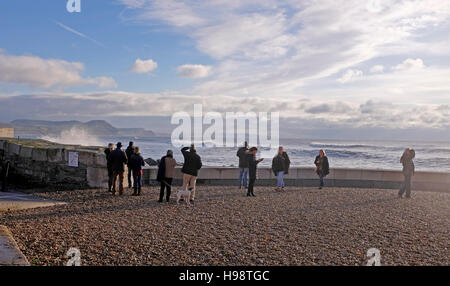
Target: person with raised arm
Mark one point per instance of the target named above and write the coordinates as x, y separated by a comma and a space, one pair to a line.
192, 164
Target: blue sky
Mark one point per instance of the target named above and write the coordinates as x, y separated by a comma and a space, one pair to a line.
324, 65
30, 27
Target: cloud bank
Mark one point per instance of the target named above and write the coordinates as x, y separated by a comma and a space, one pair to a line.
371, 113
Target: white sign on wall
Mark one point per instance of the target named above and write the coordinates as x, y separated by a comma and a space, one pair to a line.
73, 159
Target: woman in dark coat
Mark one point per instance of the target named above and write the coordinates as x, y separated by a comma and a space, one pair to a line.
408, 172
322, 166
280, 167
253, 165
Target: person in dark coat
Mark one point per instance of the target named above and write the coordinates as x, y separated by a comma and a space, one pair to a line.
109, 165
136, 162
252, 165
166, 170
118, 160
322, 166
129, 152
280, 167
243, 165
408, 172
192, 163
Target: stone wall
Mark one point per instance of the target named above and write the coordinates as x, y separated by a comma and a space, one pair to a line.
37, 163
306, 177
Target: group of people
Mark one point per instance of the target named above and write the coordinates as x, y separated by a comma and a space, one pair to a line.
166, 169
131, 157
280, 167
117, 159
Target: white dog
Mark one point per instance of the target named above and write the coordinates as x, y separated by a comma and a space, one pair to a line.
185, 194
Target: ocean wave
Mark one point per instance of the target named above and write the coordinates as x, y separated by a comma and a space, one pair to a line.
341, 145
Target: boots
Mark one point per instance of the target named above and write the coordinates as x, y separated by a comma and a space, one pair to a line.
139, 192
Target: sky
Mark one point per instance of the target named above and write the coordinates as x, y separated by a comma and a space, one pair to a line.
376, 69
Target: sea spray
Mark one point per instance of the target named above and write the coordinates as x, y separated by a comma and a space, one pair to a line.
75, 136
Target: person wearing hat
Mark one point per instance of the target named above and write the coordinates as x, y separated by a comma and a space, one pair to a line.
192, 163
118, 160
408, 172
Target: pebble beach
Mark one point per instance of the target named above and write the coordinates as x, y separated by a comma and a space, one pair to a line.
301, 226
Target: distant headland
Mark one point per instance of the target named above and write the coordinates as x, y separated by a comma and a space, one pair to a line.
41, 128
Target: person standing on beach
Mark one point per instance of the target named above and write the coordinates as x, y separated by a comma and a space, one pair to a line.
280, 167
322, 167
166, 170
118, 161
109, 165
243, 165
252, 166
129, 152
408, 172
136, 162
192, 163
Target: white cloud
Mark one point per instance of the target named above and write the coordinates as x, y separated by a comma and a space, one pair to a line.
37, 73
267, 48
251, 36
350, 75
377, 69
143, 66
194, 71
410, 65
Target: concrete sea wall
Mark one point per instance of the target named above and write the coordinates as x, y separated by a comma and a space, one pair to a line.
306, 177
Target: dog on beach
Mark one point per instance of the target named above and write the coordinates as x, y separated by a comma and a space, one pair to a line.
185, 194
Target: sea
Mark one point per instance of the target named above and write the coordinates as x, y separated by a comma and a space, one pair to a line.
430, 156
